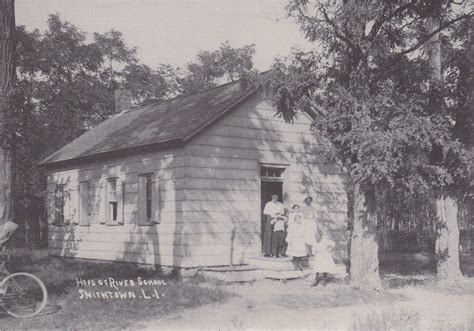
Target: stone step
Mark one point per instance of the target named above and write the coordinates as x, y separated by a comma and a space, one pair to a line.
282, 263
231, 274
264, 267
286, 274
250, 275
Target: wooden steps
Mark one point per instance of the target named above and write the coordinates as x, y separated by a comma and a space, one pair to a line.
264, 267
231, 274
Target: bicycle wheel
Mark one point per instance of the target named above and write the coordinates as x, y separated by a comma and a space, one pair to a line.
25, 295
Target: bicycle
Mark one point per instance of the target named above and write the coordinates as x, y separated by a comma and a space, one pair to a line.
22, 294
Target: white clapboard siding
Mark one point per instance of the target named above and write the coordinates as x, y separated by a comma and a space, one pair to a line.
187, 238
223, 177
211, 249
221, 195
221, 163
116, 167
205, 192
221, 184
240, 257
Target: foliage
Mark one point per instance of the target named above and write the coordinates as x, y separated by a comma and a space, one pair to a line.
66, 309
211, 68
367, 86
66, 84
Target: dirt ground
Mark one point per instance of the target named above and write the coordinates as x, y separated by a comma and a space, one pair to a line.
277, 305
411, 300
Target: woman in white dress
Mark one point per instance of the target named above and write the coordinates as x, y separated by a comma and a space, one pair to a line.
309, 223
295, 237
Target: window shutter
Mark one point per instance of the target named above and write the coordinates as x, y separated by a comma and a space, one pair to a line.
120, 184
84, 204
155, 196
67, 204
103, 203
51, 206
141, 203
74, 205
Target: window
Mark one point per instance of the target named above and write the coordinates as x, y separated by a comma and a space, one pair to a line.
111, 210
148, 199
271, 173
112, 206
59, 204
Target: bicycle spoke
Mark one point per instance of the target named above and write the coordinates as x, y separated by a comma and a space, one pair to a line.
25, 295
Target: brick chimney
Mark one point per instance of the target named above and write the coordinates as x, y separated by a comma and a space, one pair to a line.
122, 100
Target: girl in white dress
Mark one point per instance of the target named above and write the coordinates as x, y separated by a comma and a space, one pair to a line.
323, 260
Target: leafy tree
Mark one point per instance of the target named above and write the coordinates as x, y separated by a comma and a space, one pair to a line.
150, 85
367, 88
7, 83
66, 86
211, 68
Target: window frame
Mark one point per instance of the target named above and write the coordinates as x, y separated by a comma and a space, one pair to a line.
60, 188
148, 199
112, 206
278, 172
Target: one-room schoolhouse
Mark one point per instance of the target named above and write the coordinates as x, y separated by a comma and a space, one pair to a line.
183, 182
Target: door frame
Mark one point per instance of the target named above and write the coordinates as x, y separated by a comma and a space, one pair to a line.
281, 179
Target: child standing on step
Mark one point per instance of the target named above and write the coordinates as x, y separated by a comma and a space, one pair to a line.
295, 237
279, 234
323, 260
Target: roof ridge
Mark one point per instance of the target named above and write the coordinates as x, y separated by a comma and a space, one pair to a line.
147, 124
161, 102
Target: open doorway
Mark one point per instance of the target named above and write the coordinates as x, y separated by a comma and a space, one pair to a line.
271, 183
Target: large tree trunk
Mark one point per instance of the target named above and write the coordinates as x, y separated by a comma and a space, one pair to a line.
364, 247
7, 77
447, 236
447, 240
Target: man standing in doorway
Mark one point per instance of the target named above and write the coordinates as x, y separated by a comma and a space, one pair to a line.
272, 208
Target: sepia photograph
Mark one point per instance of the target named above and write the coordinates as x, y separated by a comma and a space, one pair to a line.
237, 165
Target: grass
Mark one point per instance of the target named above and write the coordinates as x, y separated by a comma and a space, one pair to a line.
388, 320
404, 320
337, 295
419, 269
419, 263
66, 309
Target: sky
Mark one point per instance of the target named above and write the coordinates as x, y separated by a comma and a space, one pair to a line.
174, 31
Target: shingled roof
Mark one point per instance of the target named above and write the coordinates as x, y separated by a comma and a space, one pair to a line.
161, 124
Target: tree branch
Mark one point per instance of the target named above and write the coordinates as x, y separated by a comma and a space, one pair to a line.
340, 36
410, 22
382, 18
438, 30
